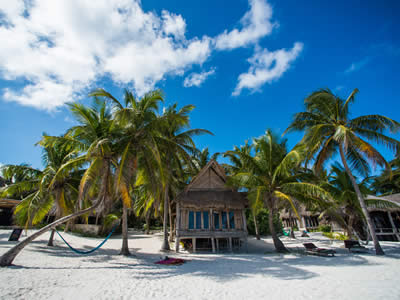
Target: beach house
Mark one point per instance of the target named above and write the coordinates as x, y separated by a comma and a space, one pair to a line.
209, 214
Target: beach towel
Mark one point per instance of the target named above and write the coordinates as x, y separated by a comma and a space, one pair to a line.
170, 261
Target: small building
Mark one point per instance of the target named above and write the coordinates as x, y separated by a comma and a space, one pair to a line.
386, 219
209, 214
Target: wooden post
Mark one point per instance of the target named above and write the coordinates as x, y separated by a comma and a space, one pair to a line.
177, 227
230, 244
216, 240
202, 220
220, 220
213, 244
244, 221
393, 226
246, 245
194, 244
211, 219
194, 220
227, 220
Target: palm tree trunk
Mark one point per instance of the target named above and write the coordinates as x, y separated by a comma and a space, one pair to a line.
171, 229
7, 258
378, 248
256, 226
50, 242
165, 244
350, 227
148, 222
279, 246
125, 247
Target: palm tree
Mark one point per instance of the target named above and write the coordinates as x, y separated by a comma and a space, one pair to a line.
43, 191
94, 138
328, 128
238, 164
175, 145
137, 122
388, 182
271, 177
346, 209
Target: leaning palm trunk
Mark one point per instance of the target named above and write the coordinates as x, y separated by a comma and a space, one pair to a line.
165, 244
125, 247
256, 226
279, 246
378, 248
7, 258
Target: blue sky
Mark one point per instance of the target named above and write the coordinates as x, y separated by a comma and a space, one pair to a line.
246, 66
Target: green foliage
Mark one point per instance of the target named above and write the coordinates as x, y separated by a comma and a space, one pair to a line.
325, 228
336, 236
262, 220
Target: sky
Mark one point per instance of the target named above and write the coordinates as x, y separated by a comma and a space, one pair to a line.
246, 66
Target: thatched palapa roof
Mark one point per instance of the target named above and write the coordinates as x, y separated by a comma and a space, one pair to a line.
209, 190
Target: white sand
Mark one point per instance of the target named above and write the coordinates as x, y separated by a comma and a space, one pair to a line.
41, 272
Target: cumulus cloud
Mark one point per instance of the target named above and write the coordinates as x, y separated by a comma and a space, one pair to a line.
256, 23
60, 48
265, 67
196, 79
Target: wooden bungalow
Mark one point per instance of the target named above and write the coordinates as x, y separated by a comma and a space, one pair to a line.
210, 215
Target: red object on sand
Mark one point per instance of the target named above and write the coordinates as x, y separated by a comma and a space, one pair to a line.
170, 261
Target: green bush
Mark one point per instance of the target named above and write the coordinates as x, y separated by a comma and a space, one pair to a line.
325, 228
262, 220
336, 236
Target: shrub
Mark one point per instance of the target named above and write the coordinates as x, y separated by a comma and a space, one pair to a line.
325, 228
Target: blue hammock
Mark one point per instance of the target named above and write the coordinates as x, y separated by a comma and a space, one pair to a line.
90, 251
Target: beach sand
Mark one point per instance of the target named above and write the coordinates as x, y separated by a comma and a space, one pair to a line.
42, 272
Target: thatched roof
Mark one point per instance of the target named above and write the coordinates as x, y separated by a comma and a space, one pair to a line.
8, 203
213, 199
209, 190
393, 199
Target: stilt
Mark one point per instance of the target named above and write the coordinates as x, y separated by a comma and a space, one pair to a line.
213, 245
396, 233
177, 241
216, 240
194, 244
230, 244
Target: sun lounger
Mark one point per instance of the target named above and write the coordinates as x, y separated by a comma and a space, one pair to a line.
314, 250
354, 246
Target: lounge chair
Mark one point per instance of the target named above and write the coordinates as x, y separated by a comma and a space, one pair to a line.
314, 250
354, 246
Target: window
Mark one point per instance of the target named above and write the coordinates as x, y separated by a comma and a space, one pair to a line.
216, 220
198, 219
232, 220
191, 220
224, 220
205, 220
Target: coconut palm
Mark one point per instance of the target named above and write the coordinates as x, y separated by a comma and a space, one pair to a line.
137, 122
271, 177
329, 128
175, 145
237, 164
43, 191
94, 138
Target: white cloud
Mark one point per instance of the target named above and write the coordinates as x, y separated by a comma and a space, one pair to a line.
256, 23
62, 47
196, 79
357, 65
266, 66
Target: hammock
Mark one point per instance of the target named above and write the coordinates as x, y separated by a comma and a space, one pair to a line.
89, 251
